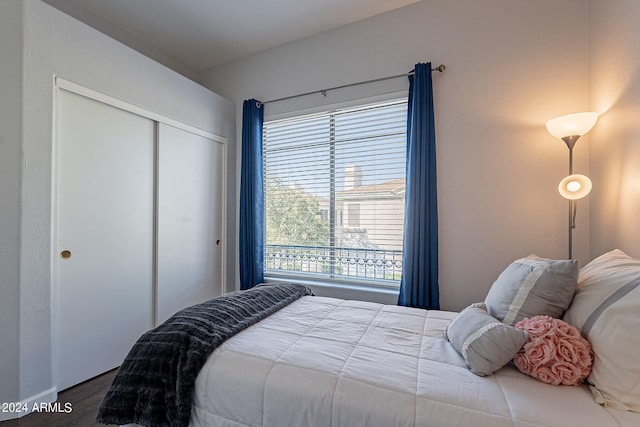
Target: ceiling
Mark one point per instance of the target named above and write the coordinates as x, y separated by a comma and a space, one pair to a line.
199, 34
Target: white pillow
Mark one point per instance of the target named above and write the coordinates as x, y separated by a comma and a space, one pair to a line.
532, 286
485, 343
606, 309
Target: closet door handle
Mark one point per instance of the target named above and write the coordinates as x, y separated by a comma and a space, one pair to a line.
65, 254
218, 242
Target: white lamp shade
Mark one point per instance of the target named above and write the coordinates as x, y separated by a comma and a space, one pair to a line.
572, 124
574, 187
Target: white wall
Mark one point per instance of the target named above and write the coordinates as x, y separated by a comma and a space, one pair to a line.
615, 140
511, 65
44, 43
10, 159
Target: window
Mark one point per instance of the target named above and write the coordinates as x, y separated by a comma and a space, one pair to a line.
334, 194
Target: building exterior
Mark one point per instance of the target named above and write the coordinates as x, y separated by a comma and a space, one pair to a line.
373, 214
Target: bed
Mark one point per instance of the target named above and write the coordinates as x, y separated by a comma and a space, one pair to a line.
320, 361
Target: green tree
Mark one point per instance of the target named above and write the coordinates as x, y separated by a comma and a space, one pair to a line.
293, 216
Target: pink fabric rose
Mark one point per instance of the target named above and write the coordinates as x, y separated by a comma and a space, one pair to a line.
538, 325
544, 374
565, 330
555, 352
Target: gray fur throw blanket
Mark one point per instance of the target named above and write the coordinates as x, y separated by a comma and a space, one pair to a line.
155, 383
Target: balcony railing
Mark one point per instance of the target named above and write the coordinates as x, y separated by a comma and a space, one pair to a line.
354, 264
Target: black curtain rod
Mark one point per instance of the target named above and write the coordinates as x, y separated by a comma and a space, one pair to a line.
440, 68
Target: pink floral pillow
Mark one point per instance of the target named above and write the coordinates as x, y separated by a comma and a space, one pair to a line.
555, 352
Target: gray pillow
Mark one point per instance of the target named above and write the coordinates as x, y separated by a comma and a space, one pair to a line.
485, 343
532, 286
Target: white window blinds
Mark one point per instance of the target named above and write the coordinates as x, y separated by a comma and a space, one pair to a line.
334, 194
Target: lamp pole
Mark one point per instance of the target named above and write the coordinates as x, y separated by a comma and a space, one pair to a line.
571, 142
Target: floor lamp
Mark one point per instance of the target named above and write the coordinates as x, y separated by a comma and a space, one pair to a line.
570, 128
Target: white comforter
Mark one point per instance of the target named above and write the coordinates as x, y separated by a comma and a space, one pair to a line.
329, 362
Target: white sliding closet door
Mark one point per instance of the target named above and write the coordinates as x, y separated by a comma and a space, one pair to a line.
190, 219
104, 235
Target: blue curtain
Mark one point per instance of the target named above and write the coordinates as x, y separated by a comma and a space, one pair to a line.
251, 196
419, 284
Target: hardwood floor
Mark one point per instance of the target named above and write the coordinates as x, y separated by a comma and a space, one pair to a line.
81, 402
